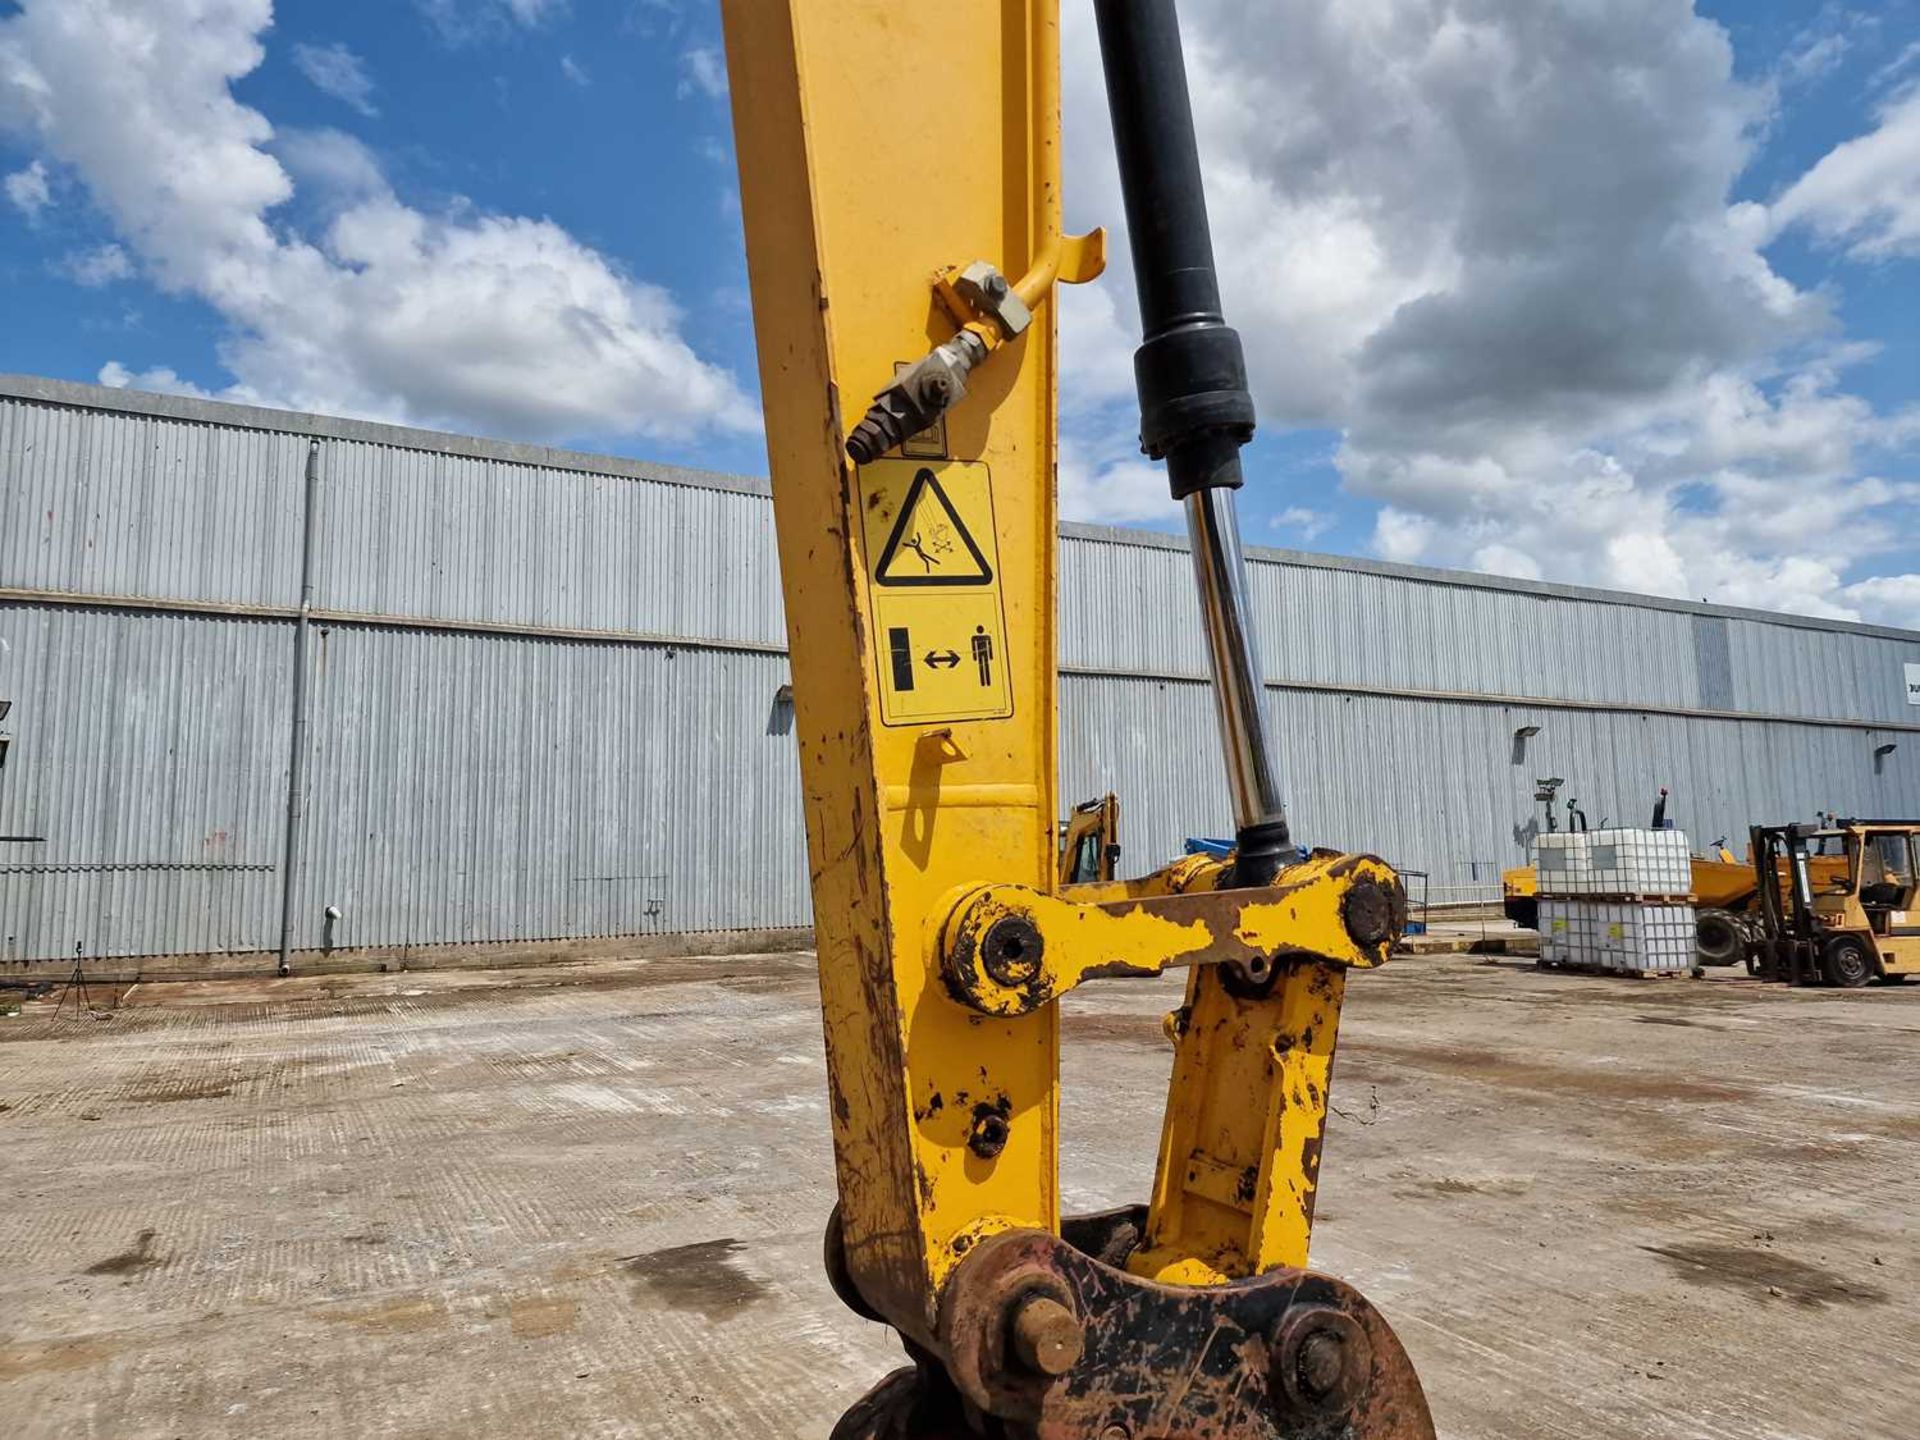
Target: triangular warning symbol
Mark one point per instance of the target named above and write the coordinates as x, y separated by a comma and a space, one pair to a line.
930, 544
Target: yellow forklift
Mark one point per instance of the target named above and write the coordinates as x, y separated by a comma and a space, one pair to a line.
1853, 920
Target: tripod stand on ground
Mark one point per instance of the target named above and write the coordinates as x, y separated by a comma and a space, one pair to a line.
77, 987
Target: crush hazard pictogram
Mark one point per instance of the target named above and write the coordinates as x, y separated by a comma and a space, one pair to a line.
930, 544
939, 628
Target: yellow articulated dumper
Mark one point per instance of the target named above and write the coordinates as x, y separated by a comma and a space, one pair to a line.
900, 183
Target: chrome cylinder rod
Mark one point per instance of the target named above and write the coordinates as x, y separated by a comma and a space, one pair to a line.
1226, 608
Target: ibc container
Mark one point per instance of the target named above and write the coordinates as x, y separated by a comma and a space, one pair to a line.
1614, 862
1619, 935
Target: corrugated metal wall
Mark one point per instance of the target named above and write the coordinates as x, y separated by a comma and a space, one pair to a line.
150, 750
543, 693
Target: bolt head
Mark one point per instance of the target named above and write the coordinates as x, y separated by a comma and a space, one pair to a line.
1372, 913
1047, 1338
1322, 1360
1011, 951
989, 1135
996, 285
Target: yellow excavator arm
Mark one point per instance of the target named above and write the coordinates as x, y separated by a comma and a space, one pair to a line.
900, 185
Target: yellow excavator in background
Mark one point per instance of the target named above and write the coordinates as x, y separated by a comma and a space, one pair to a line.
900, 187
1090, 841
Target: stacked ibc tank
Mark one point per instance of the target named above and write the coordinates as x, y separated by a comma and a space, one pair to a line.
1616, 900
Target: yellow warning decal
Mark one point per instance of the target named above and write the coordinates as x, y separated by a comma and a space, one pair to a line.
939, 629
930, 545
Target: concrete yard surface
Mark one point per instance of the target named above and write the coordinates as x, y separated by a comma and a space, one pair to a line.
587, 1201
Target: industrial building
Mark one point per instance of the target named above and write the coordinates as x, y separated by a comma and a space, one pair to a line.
543, 696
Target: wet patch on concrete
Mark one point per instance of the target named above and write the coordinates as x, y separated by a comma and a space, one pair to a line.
209, 1087
401, 1315
1490, 1067
1463, 1185
131, 1261
1764, 1274
43, 1357
704, 1277
534, 1317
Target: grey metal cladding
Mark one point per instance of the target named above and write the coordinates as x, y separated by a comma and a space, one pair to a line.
149, 750
544, 692
1713, 662
450, 537
478, 787
135, 505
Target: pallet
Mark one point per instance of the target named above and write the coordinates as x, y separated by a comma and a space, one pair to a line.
1618, 897
1572, 968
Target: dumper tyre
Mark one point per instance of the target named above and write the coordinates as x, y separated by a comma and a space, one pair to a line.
1718, 939
1847, 964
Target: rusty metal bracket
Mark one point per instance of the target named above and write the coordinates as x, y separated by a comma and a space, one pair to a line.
1009, 949
1289, 1355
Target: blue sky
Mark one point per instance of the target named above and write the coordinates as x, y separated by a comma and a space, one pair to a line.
380, 207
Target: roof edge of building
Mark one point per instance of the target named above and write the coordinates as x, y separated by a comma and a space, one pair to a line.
80, 395
1474, 579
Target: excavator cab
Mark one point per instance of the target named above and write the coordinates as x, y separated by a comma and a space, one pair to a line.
1090, 842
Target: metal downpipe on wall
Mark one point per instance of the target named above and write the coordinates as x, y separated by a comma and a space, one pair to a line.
297, 745
1195, 408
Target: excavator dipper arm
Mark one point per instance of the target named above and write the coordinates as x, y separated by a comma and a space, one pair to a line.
900, 186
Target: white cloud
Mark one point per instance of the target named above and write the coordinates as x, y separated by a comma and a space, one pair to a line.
1888, 599
461, 22
29, 191
1490, 242
1308, 524
160, 381
575, 71
1114, 493
331, 164
1897, 66
1865, 193
703, 71
337, 71
1824, 45
496, 323
99, 266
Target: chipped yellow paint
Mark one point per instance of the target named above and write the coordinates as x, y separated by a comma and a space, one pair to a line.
862, 188
860, 182
1143, 928
1246, 1114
